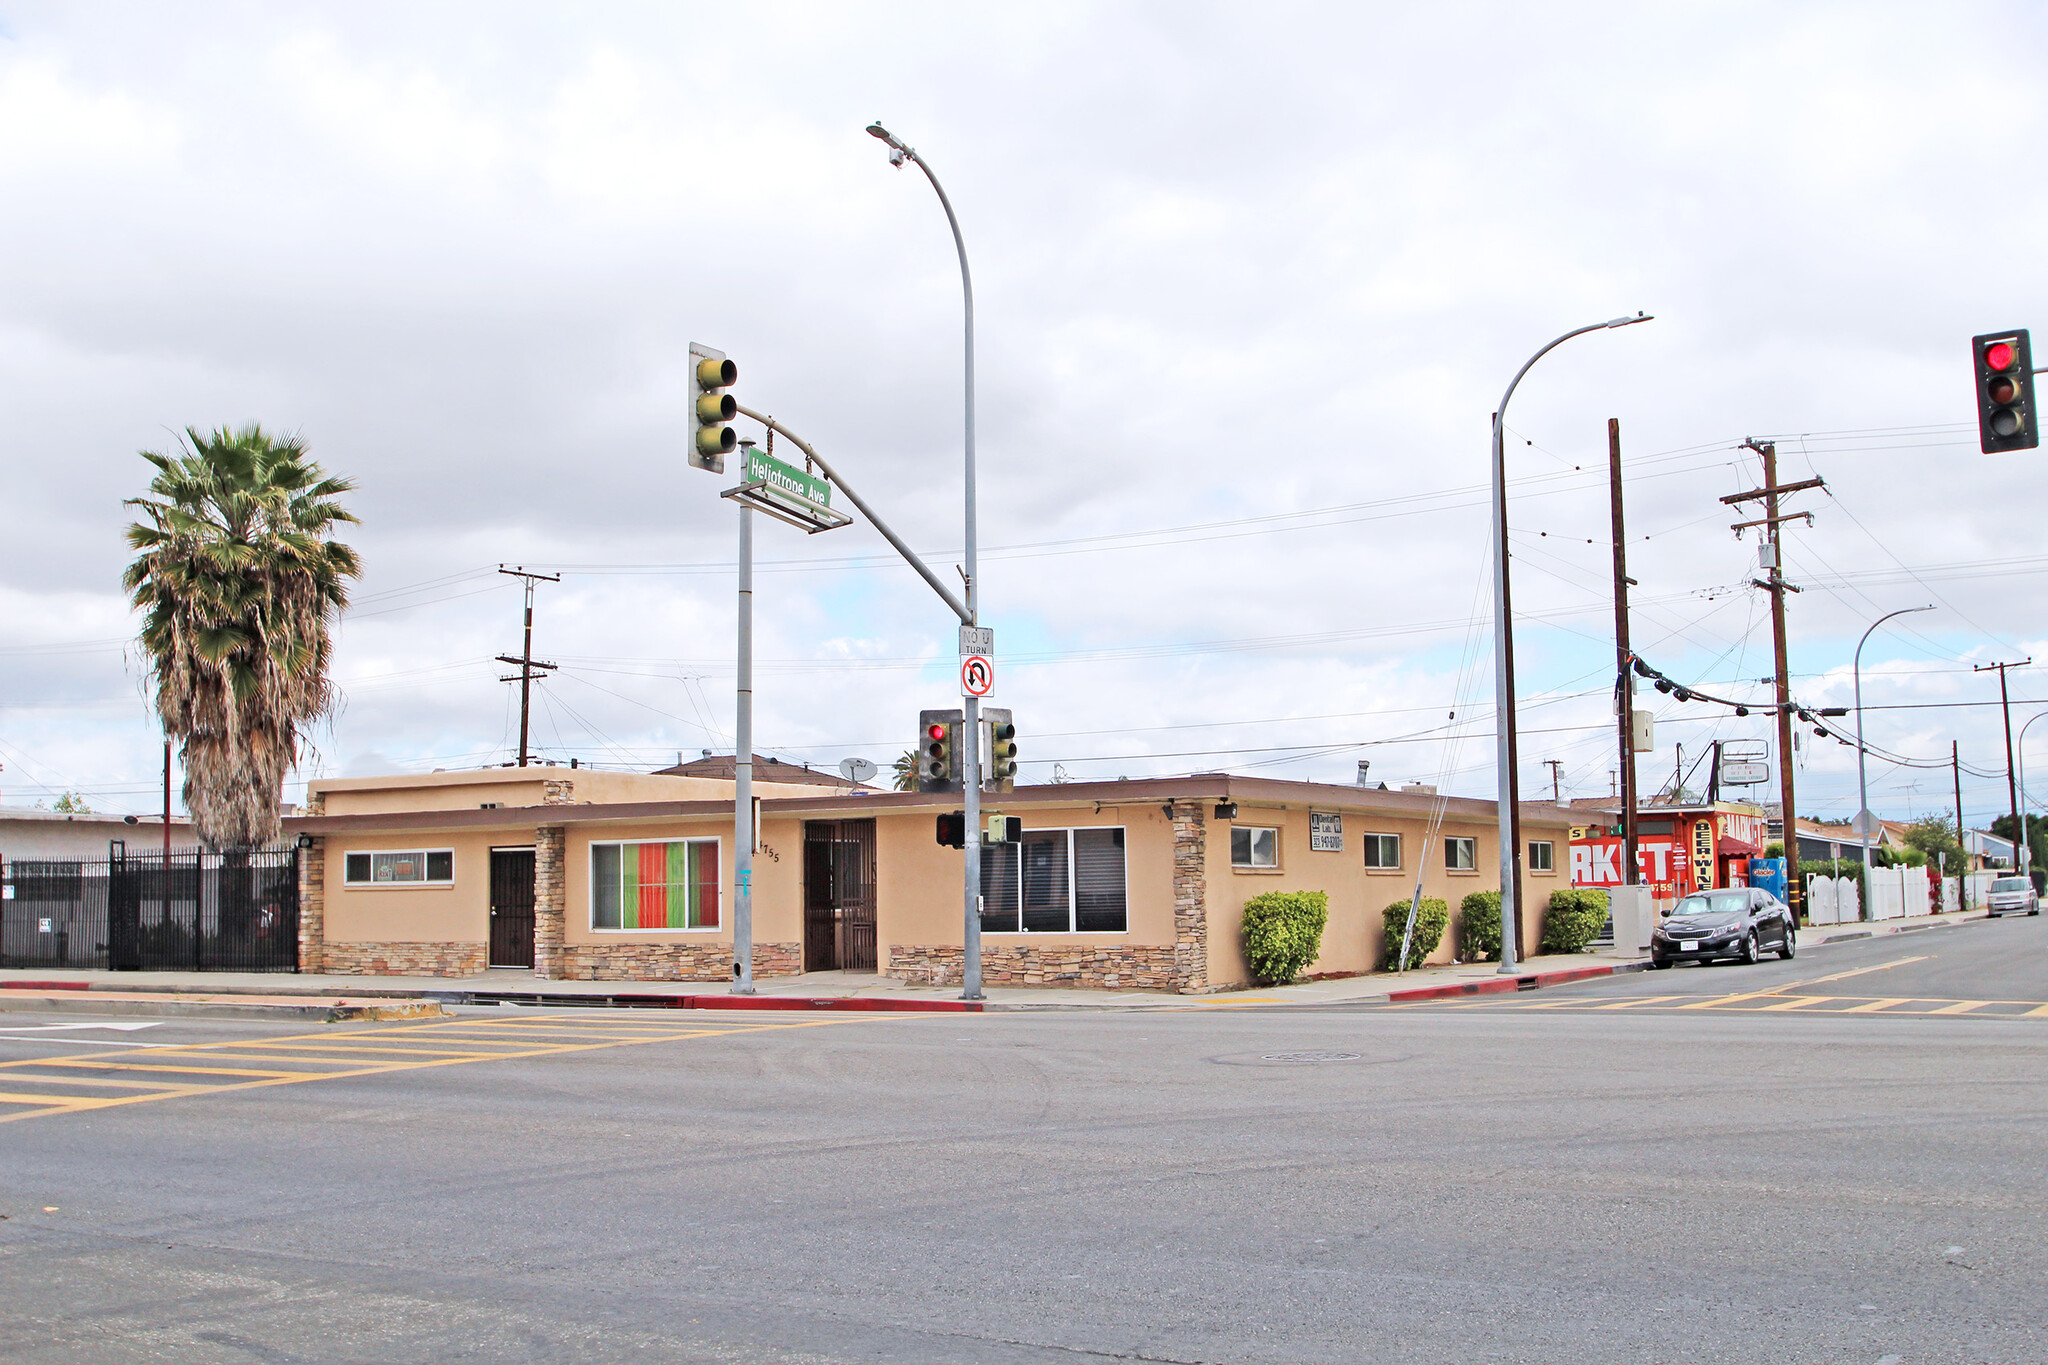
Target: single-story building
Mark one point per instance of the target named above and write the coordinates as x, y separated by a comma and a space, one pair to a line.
30, 833
586, 875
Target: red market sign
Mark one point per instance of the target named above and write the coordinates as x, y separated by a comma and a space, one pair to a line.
1662, 861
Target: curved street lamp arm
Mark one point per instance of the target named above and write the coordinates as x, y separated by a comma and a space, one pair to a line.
910, 555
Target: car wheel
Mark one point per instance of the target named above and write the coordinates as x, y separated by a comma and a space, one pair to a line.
1660, 964
1749, 948
1789, 949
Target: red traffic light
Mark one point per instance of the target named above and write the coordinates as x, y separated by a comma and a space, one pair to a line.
935, 732
1999, 355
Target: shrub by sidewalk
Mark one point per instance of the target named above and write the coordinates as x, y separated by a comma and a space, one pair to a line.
1573, 920
1283, 932
1479, 927
1431, 919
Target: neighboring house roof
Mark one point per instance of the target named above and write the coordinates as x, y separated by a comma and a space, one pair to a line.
765, 770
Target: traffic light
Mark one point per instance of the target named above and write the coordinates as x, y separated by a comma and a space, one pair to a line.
953, 829
2005, 392
1003, 829
712, 409
938, 754
1002, 750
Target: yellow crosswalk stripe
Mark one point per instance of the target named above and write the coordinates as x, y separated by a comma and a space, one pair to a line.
336, 1056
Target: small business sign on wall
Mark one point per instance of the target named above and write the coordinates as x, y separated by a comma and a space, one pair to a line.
1325, 832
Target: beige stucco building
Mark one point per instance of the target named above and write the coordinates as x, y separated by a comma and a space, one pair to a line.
585, 875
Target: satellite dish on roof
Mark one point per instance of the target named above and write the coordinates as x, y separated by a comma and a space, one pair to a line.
856, 770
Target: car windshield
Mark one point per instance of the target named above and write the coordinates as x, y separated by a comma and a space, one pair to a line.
1715, 903
2010, 884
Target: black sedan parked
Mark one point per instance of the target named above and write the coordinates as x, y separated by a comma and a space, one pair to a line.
1740, 922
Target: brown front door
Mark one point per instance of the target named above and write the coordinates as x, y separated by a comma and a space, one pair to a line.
839, 895
511, 907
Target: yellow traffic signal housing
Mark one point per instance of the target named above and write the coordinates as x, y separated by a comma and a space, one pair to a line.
712, 409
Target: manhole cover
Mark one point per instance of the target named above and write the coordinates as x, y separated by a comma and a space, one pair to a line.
1310, 1057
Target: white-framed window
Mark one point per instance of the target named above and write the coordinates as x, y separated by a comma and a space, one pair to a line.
1057, 881
654, 884
1461, 855
411, 867
1254, 846
1540, 856
1383, 851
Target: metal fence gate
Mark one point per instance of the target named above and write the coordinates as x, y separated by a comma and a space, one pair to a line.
220, 912
839, 895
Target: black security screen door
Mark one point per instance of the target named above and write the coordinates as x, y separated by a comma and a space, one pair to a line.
511, 907
839, 895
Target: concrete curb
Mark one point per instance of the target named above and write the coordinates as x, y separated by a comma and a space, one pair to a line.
327, 1011
1502, 985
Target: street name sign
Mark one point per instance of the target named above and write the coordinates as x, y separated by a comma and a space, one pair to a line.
804, 491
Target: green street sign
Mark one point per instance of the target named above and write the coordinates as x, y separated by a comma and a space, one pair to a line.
786, 483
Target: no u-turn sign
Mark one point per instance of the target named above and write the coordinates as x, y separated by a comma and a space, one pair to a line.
977, 675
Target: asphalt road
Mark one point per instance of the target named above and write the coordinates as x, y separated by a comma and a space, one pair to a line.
1485, 1182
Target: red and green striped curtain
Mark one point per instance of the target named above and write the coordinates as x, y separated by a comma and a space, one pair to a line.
672, 884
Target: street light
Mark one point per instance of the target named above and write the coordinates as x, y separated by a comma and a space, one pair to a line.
970, 748
2020, 748
1509, 788
1862, 788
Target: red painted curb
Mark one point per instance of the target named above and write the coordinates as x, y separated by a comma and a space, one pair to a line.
1499, 985
789, 1002
45, 985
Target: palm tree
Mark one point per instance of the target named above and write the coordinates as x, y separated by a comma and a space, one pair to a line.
238, 585
905, 771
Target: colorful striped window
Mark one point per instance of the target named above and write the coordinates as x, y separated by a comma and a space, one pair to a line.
668, 885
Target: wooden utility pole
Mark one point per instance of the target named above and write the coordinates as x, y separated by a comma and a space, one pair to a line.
1554, 764
1955, 768
527, 663
1624, 673
1775, 584
2012, 788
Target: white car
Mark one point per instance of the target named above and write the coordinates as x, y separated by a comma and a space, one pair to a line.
2010, 895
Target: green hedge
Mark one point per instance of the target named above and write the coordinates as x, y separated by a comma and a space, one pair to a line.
1431, 919
1479, 927
1283, 932
1573, 919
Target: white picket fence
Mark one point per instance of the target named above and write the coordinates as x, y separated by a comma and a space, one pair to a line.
1895, 893
1832, 900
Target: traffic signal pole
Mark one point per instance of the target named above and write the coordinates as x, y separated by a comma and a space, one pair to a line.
743, 772
971, 753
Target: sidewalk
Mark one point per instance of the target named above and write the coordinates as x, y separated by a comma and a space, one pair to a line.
339, 997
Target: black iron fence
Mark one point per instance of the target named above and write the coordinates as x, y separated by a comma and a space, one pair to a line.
223, 912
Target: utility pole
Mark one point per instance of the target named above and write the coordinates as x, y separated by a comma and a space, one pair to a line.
2012, 789
527, 663
1624, 674
1554, 764
1775, 584
1955, 768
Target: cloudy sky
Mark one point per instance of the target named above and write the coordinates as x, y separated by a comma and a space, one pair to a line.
1250, 280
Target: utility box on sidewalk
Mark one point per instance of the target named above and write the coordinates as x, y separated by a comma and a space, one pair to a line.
1634, 915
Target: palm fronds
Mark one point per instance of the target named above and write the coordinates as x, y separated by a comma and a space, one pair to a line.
238, 584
